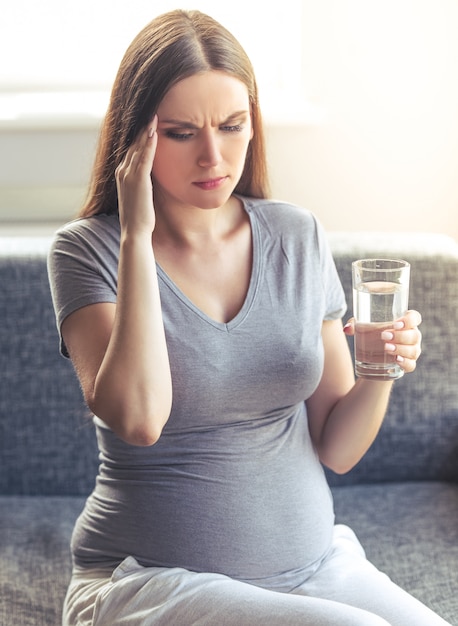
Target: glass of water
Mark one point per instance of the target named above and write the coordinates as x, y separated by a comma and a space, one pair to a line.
380, 297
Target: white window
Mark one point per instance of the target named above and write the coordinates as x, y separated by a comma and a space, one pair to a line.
60, 56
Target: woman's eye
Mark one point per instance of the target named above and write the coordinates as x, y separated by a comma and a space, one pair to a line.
178, 136
232, 129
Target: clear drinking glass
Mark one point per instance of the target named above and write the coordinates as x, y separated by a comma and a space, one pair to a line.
380, 296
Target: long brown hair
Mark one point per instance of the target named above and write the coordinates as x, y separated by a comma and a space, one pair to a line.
173, 46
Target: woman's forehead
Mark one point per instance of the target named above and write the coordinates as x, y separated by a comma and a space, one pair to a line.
205, 94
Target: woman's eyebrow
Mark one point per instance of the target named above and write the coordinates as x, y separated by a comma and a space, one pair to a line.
179, 123
183, 124
236, 115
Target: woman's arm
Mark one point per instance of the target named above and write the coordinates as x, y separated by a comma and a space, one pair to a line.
344, 416
119, 351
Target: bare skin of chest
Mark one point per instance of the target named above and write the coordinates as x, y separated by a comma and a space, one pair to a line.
215, 276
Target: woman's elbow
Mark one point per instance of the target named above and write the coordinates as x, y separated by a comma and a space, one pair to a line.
337, 465
142, 436
340, 468
138, 427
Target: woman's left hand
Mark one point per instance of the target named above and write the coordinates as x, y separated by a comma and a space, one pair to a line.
402, 341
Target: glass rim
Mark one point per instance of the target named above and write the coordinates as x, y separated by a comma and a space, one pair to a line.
365, 264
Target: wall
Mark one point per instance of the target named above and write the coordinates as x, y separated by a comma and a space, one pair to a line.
385, 153
375, 149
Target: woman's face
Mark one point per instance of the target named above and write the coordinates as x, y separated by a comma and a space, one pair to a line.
204, 129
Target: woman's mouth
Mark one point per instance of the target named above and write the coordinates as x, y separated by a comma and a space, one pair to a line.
211, 183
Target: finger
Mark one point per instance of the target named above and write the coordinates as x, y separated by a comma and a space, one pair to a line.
349, 328
405, 356
141, 152
404, 345
411, 319
151, 141
411, 336
406, 351
143, 155
408, 365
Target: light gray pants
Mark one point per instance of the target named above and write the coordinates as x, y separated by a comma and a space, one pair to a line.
346, 590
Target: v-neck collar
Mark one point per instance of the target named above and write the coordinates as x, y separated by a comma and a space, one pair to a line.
252, 287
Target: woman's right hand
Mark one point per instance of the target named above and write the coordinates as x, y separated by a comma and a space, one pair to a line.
133, 181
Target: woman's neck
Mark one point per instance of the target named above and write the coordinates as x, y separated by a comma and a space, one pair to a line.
194, 227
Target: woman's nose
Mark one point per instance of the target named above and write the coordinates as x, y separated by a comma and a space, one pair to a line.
210, 154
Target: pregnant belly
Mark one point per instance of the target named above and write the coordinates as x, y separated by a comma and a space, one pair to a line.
248, 520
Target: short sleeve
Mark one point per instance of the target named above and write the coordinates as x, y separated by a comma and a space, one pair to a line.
82, 267
335, 302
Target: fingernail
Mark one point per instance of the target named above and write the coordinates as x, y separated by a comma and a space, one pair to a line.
398, 325
387, 335
399, 358
390, 347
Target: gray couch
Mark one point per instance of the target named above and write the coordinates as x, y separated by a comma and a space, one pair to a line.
402, 499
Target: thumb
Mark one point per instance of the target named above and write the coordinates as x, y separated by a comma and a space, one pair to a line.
349, 328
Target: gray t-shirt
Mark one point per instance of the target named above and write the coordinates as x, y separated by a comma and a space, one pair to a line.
233, 485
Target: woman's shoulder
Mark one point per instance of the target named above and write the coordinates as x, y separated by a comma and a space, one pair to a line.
89, 228
98, 236
90, 241
281, 215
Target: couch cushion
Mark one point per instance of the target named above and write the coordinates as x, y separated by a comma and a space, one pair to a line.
47, 441
410, 531
35, 563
